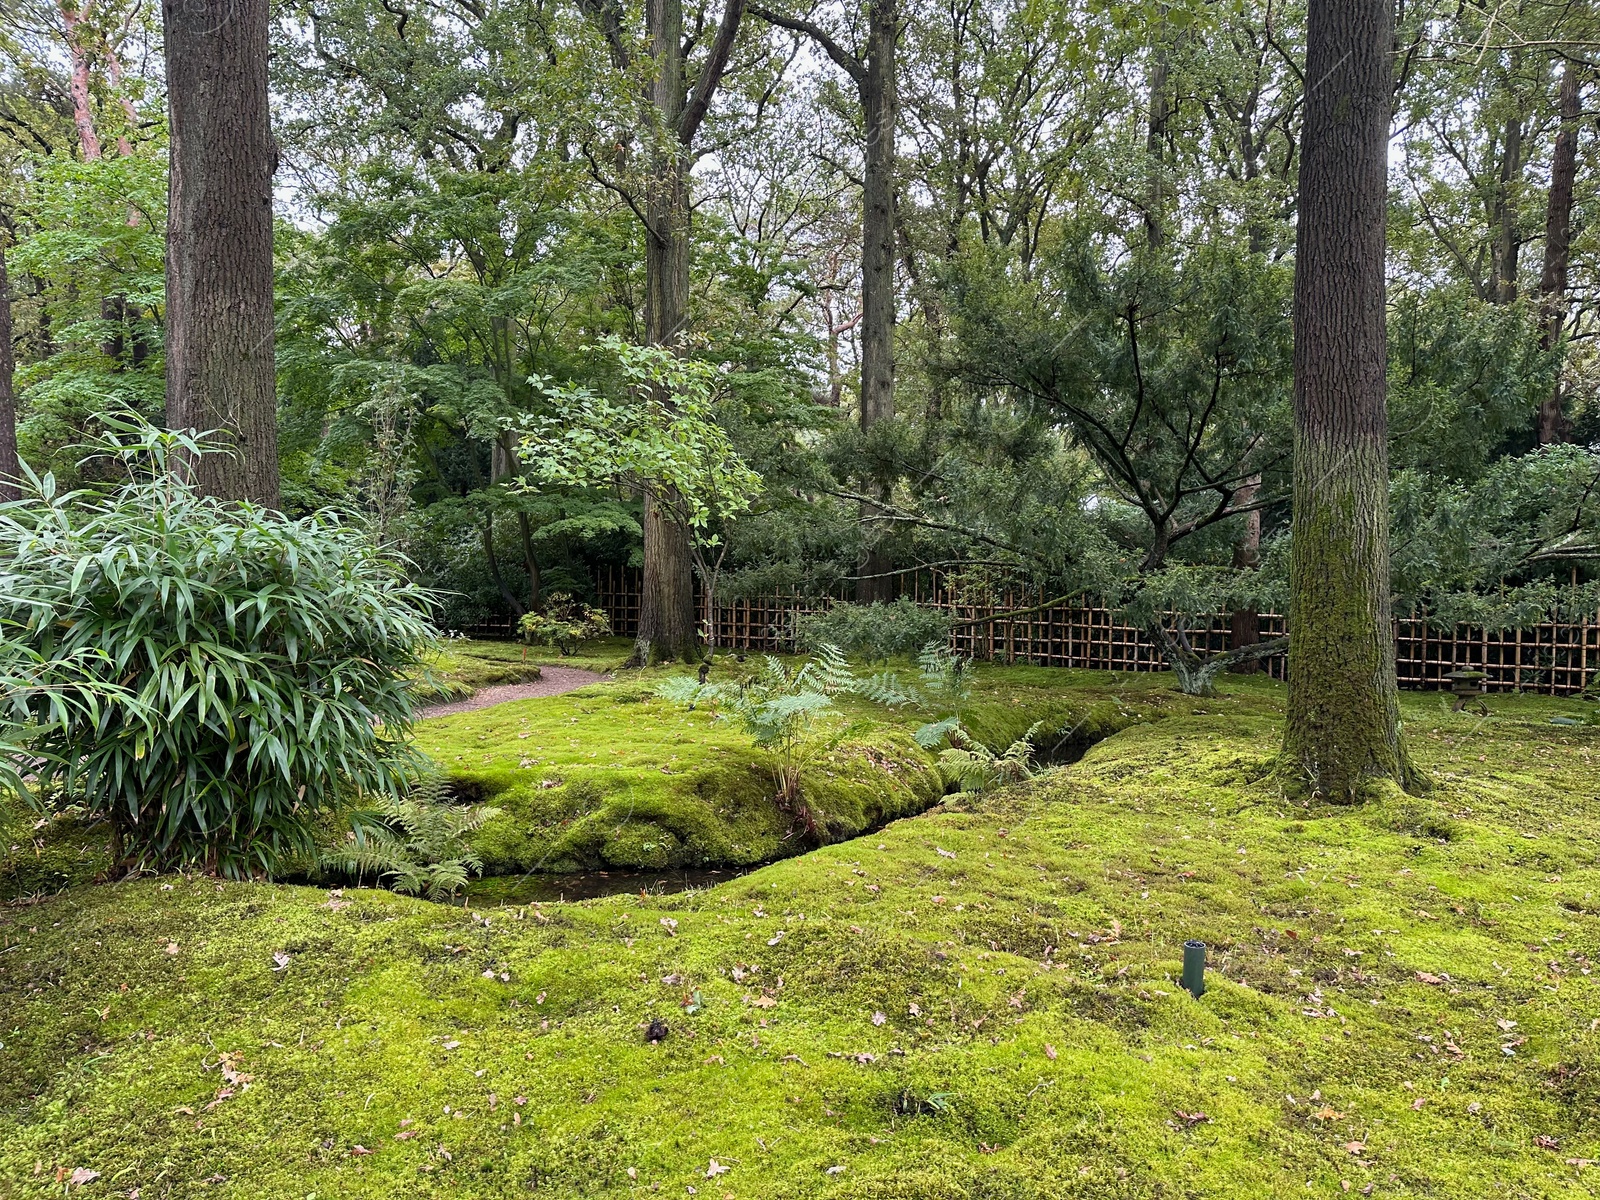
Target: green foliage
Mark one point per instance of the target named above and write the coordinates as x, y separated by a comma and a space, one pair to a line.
972, 767
1465, 380
788, 711
414, 842
94, 246
565, 623
876, 632
208, 677
1500, 550
661, 433
1170, 370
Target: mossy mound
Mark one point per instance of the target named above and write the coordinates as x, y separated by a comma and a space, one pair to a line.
611, 776
976, 1002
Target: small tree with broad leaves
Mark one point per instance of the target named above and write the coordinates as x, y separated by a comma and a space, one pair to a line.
659, 432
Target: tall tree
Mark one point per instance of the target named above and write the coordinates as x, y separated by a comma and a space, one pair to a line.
1553, 424
219, 242
673, 110
1343, 726
871, 69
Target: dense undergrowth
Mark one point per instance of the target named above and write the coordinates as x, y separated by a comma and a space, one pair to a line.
975, 1002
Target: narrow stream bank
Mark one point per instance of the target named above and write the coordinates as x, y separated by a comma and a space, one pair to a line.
589, 885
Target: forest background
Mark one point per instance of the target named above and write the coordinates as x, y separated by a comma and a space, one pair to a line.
999, 288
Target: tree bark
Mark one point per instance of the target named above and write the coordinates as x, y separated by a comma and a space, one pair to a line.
220, 371
495, 573
78, 79
878, 108
878, 111
666, 603
1244, 624
10, 465
1507, 234
1155, 143
1343, 726
1553, 423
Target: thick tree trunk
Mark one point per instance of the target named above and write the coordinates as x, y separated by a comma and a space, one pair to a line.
878, 111
1343, 726
1244, 624
1553, 423
219, 242
666, 603
10, 465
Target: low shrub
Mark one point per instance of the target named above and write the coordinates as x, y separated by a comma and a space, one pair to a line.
565, 623
208, 677
876, 632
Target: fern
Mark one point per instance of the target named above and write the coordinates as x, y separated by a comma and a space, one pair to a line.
973, 767
414, 843
945, 675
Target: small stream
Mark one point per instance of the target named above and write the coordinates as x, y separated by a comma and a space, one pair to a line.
587, 885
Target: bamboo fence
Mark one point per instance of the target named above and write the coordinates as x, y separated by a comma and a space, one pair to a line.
1552, 657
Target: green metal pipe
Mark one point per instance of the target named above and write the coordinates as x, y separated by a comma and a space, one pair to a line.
1194, 968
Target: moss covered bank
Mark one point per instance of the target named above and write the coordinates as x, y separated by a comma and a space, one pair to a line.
975, 1002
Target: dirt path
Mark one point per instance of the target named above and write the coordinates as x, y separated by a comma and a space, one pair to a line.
554, 681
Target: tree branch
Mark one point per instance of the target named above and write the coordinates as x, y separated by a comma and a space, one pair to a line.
849, 63
711, 72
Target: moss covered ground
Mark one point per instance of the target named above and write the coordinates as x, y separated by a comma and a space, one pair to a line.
978, 1001
611, 776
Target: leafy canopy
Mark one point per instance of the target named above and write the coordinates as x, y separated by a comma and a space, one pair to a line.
659, 433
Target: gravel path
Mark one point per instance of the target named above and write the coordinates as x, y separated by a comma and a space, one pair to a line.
553, 681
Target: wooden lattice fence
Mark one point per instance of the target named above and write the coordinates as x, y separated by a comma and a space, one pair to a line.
1553, 657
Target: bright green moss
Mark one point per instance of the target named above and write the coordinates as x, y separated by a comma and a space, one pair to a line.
1050, 1053
612, 776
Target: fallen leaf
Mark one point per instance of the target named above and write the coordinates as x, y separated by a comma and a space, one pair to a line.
715, 1169
670, 925
1545, 1142
359, 1149
1328, 1113
1050, 1052
878, 1018
1191, 1119
279, 957
82, 1176
1355, 1147
835, 1170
